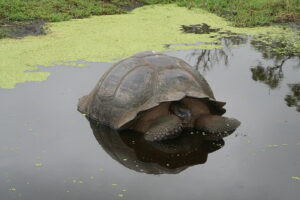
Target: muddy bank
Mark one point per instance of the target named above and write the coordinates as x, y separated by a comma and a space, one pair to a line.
17, 31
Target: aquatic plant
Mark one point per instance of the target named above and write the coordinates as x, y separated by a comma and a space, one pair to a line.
99, 39
278, 46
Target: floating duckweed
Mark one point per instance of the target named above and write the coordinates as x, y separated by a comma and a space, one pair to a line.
114, 184
74, 181
99, 39
91, 177
284, 144
80, 181
124, 159
296, 178
101, 169
120, 195
12, 189
124, 190
38, 164
272, 145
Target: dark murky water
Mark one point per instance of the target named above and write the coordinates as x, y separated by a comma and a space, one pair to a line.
48, 149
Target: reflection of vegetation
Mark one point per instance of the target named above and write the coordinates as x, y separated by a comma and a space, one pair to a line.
206, 59
280, 48
229, 38
271, 76
293, 98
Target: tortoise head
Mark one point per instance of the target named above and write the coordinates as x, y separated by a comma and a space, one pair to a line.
212, 125
180, 110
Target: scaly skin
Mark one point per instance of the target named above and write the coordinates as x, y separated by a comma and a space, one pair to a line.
214, 126
164, 128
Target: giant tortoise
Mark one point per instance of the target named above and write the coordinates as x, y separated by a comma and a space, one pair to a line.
157, 95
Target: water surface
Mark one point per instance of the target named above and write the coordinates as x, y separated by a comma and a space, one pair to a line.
48, 149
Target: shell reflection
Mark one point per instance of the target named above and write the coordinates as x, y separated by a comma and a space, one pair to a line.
131, 150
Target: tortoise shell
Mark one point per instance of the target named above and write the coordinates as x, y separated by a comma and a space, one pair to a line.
142, 82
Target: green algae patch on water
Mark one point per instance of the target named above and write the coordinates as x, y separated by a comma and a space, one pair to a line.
104, 38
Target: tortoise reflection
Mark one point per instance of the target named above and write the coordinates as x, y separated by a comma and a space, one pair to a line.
131, 150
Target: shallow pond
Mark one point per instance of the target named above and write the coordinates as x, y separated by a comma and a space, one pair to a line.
48, 149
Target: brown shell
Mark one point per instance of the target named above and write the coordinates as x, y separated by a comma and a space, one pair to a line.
142, 82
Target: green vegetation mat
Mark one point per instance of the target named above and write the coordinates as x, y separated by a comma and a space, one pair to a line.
107, 37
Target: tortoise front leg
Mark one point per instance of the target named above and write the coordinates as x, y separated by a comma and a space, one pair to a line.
164, 128
216, 125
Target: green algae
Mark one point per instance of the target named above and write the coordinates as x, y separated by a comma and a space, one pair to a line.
278, 45
296, 178
38, 164
104, 38
12, 189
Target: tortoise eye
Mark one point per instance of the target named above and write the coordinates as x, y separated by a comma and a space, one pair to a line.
183, 113
180, 110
